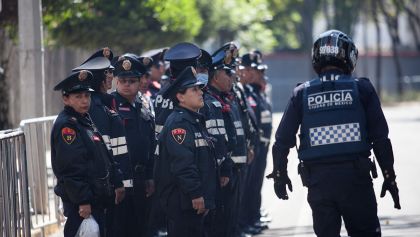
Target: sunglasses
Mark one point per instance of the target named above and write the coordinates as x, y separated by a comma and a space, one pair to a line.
129, 80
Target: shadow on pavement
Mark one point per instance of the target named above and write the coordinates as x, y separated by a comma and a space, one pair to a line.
396, 226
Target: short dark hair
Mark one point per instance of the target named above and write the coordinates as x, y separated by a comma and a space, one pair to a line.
175, 99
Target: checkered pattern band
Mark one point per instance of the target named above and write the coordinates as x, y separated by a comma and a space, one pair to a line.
340, 133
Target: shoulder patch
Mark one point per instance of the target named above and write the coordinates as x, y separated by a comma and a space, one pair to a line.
179, 135
68, 135
217, 104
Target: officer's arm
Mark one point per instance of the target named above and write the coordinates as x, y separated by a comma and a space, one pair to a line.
377, 126
118, 146
71, 162
151, 159
219, 133
286, 133
181, 145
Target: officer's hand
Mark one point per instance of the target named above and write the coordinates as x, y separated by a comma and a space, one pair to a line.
119, 195
85, 210
250, 156
391, 186
224, 181
150, 187
198, 204
281, 179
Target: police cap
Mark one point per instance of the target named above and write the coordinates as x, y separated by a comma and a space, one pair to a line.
181, 56
104, 52
76, 82
186, 79
225, 57
253, 60
156, 55
127, 66
205, 60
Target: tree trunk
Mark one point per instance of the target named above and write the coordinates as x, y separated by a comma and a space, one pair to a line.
4, 92
378, 68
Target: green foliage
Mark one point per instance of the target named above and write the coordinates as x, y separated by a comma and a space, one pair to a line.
126, 25
241, 20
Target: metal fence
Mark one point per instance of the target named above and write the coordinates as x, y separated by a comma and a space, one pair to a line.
44, 204
14, 196
27, 200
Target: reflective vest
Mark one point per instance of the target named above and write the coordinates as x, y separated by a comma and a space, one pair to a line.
334, 121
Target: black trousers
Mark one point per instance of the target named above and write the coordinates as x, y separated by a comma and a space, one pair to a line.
130, 216
223, 221
343, 190
251, 203
183, 222
71, 211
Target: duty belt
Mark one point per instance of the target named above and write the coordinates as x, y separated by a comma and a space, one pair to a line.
265, 140
128, 183
238, 159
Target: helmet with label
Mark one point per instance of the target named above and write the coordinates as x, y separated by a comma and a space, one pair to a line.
334, 48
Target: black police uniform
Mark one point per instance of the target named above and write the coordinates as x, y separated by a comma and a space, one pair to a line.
224, 104
239, 157
264, 118
340, 120
334, 176
85, 170
103, 114
131, 213
180, 56
186, 167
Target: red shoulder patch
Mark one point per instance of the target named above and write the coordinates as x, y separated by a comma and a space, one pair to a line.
68, 134
179, 134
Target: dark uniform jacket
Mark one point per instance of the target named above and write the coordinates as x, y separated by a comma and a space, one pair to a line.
239, 153
376, 125
163, 108
249, 121
111, 128
84, 168
139, 128
186, 167
264, 113
219, 125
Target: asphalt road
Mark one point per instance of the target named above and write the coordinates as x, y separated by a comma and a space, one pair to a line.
293, 217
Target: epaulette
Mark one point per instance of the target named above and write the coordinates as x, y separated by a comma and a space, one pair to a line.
72, 120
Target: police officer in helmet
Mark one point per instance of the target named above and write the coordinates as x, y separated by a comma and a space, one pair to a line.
341, 120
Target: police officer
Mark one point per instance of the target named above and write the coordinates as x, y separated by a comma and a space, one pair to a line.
341, 120
227, 56
203, 66
185, 171
130, 215
106, 119
264, 117
144, 89
157, 70
179, 56
84, 167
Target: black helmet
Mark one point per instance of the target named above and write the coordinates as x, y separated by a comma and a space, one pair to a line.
334, 48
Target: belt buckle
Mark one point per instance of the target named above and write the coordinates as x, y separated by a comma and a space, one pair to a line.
128, 183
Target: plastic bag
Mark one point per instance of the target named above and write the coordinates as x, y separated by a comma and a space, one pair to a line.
88, 228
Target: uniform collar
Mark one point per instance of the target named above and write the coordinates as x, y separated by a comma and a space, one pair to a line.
81, 118
331, 72
191, 116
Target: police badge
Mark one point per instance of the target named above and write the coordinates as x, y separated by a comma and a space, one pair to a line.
126, 65
83, 75
106, 52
